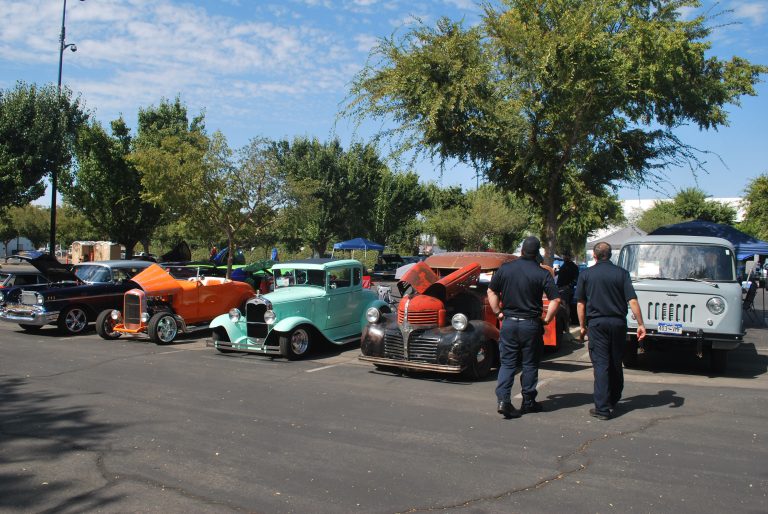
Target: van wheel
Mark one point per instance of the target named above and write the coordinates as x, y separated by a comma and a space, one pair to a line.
162, 328
718, 361
481, 361
105, 325
630, 353
296, 344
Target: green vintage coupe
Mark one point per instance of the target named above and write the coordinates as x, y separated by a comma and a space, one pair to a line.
314, 300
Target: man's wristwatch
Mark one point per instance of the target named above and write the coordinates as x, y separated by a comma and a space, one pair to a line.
499, 314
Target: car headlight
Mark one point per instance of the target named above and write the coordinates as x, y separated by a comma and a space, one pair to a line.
144, 317
115, 315
269, 317
459, 322
716, 305
2, 297
372, 315
39, 298
234, 315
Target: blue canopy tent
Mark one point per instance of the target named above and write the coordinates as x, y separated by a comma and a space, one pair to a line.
359, 243
746, 246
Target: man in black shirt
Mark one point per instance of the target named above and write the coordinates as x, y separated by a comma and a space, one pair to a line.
566, 281
515, 295
602, 294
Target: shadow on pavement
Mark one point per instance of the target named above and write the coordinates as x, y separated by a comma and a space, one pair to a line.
36, 437
663, 398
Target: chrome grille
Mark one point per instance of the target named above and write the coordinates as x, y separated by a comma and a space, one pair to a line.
422, 348
28, 298
673, 312
393, 345
132, 314
254, 315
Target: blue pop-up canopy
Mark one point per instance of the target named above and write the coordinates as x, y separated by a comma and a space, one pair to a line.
359, 243
746, 246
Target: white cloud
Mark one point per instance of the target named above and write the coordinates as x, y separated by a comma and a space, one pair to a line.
754, 12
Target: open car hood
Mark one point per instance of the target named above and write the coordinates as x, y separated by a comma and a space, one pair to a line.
50, 267
157, 281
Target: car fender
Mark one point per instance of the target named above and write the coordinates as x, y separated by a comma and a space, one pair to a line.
288, 324
233, 329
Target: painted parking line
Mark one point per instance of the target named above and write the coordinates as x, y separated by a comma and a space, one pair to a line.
331, 366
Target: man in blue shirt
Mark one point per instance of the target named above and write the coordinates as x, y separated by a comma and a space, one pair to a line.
602, 294
515, 295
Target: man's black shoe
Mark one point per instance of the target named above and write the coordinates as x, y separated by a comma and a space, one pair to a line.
593, 412
507, 410
527, 408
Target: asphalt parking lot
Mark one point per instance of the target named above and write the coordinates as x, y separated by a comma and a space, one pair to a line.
127, 426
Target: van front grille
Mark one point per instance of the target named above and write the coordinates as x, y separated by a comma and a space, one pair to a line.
670, 312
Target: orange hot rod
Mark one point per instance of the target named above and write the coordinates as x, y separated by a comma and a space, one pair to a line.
443, 322
162, 306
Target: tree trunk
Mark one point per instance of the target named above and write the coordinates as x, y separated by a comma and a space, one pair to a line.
230, 252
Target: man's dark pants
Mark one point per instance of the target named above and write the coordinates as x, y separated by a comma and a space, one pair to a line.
519, 339
607, 337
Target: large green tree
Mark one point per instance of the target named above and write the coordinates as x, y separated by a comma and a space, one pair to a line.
688, 204
342, 186
400, 197
38, 126
546, 93
488, 219
106, 187
756, 206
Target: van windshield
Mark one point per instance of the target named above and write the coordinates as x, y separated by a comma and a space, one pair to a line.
679, 262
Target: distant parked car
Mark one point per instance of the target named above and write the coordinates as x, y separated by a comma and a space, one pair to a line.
387, 266
163, 306
11, 278
314, 301
72, 297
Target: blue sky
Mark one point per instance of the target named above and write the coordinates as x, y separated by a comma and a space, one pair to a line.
281, 69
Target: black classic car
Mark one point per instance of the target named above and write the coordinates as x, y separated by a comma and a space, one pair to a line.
72, 297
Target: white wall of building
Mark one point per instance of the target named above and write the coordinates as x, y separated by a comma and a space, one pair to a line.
16, 245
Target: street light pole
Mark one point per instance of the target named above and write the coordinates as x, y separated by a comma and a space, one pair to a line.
54, 172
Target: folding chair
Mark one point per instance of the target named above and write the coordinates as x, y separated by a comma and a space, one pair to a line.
748, 306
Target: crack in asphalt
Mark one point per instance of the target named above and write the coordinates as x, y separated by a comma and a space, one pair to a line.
578, 452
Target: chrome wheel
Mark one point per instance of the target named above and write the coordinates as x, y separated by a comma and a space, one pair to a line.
73, 320
162, 328
299, 341
167, 329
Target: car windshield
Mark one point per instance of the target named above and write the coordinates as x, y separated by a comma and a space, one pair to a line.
91, 273
679, 262
299, 277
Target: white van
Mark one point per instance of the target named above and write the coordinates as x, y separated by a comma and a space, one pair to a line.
688, 293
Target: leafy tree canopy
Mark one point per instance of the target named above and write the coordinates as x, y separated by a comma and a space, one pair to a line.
756, 205
106, 187
38, 126
688, 204
549, 96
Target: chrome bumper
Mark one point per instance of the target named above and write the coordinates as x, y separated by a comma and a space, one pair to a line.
421, 366
28, 315
260, 349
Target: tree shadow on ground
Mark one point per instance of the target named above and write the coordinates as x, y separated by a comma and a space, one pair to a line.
35, 433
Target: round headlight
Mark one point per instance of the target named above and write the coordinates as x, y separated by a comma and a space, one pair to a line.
115, 315
2, 297
459, 322
144, 317
269, 317
39, 299
234, 315
372, 315
716, 305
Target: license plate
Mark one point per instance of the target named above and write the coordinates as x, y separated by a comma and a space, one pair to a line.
670, 328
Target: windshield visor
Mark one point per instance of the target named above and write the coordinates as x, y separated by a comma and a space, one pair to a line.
679, 262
